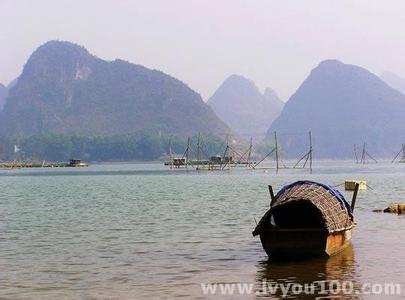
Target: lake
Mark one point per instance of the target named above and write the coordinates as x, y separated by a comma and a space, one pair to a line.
141, 231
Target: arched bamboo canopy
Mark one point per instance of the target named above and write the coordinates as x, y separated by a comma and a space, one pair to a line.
307, 204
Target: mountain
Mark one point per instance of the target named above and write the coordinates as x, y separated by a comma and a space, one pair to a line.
273, 98
394, 81
12, 83
342, 105
3, 95
63, 89
240, 104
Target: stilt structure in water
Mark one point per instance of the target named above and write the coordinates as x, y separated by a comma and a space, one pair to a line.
400, 155
187, 152
273, 150
365, 156
225, 160
356, 158
198, 150
307, 156
171, 154
230, 157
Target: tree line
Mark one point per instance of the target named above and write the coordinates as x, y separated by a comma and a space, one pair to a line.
143, 145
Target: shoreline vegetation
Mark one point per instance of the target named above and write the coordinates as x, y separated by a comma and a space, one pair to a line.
147, 146
140, 146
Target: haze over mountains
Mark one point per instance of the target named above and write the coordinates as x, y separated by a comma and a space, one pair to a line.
3, 94
64, 89
240, 104
343, 105
394, 81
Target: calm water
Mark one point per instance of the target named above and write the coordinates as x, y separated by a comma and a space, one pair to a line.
144, 232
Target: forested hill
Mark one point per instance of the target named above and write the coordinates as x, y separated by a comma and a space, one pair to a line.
63, 89
343, 105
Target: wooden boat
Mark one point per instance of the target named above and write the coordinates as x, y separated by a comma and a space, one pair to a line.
306, 218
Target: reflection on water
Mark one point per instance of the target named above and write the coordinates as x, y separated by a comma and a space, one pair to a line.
317, 274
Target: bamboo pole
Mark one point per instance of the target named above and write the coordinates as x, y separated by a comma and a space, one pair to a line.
275, 141
198, 150
310, 152
271, 194
187, 151
363, 154
355, 154
225, 152
403, 154
297, 163
249, 163
268, 154
369, 155
356, 189
170, 153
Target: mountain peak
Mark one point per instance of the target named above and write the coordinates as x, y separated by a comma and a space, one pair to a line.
57, 51
335, 68
64, 89
239, 102
237, 78
343, 104
330, 63
61, 47
238, 83
60, 61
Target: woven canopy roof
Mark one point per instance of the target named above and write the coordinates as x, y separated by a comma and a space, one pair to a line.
335, 211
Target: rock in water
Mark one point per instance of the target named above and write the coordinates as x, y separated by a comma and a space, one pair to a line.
393, 208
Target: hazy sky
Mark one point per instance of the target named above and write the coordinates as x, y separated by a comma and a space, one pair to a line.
274, 43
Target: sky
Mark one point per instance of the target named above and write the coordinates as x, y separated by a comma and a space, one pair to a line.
201, 42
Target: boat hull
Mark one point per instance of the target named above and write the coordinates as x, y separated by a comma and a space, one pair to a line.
294, 243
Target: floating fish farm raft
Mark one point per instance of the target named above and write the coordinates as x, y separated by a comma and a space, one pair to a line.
73, 163
230, 157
